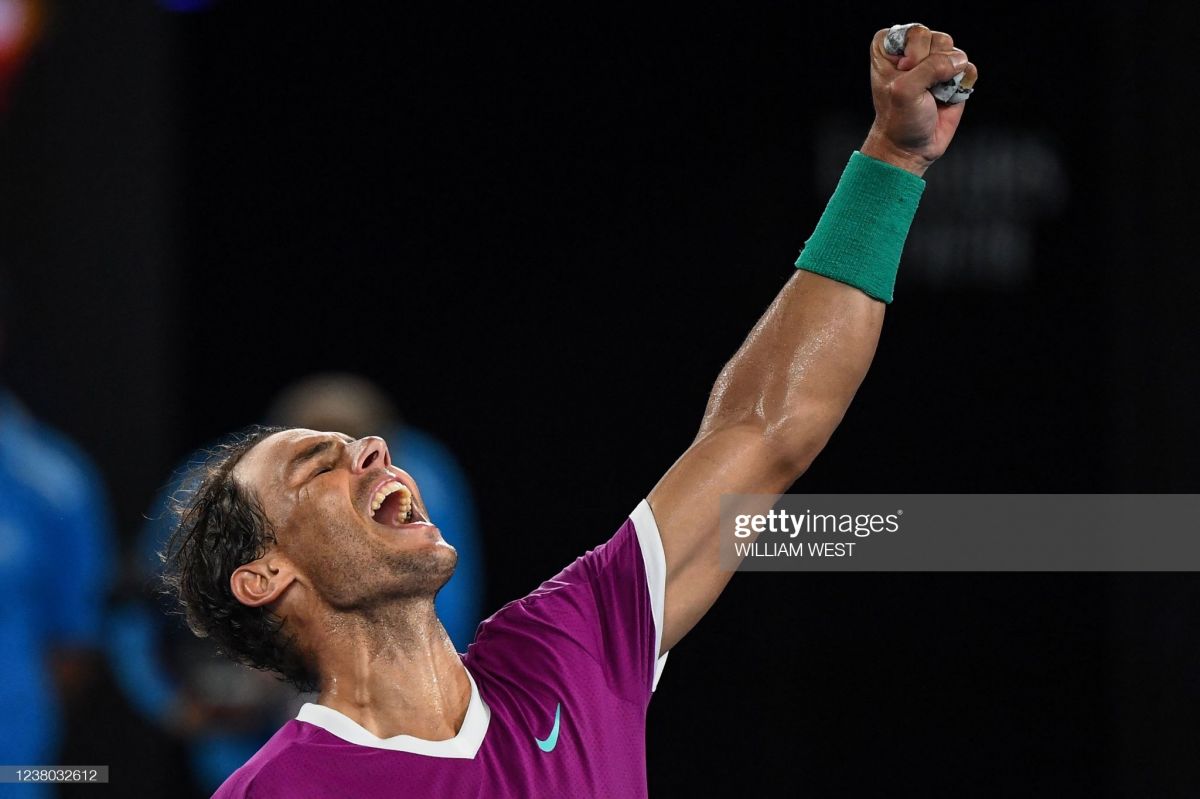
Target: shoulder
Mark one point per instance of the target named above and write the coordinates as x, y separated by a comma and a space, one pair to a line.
273, 770
599, 618
576, 602
635, 547
620, 550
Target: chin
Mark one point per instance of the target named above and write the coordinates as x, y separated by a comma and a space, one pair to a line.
442, 554
424, 567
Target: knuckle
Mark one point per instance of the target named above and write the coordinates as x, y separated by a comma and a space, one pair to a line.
942, 41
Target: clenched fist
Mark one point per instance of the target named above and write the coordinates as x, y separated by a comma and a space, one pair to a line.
912, 129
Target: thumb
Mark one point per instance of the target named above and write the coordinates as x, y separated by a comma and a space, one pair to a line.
936, 67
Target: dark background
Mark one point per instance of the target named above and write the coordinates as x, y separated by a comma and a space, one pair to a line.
544, 229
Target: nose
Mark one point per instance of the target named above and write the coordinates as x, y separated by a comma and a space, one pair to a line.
372, 451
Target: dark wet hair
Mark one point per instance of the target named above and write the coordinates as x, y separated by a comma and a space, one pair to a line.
222, 526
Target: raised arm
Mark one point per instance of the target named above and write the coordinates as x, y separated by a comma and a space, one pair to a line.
777, 402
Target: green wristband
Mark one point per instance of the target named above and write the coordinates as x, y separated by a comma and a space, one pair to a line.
861, 234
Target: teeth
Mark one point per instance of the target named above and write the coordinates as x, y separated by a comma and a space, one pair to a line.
386, 491
404, 515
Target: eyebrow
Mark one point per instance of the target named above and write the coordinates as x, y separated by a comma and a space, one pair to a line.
308, 454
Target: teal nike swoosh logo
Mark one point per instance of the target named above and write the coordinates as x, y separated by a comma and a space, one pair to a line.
551, 739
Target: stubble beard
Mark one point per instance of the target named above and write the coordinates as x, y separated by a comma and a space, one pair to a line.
371, 576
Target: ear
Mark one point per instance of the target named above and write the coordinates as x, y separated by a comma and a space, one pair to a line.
261, 582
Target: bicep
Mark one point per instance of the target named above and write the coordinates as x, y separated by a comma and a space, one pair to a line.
740, 459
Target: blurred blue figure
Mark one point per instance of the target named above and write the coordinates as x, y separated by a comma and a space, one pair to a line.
227, 711
55, 564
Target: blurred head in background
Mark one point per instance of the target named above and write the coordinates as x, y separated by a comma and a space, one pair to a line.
337, 401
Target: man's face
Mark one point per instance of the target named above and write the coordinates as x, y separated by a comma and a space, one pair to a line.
352, 524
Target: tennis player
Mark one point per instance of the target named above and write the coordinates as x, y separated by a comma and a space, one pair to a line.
311, 554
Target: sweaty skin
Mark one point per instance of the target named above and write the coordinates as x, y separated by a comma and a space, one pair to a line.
357, 593
777, 402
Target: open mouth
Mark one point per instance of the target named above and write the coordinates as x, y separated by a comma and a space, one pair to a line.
392, 504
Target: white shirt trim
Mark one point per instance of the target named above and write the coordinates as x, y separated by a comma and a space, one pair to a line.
650, 542
464, 745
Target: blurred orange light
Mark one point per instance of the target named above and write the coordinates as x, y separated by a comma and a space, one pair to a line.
20, 24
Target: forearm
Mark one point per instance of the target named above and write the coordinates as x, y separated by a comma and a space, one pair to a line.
801, 365
799, 368
780, 397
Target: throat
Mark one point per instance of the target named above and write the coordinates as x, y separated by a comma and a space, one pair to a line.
429, 707
394, 673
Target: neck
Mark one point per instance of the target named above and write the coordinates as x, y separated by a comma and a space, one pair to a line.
394, 671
